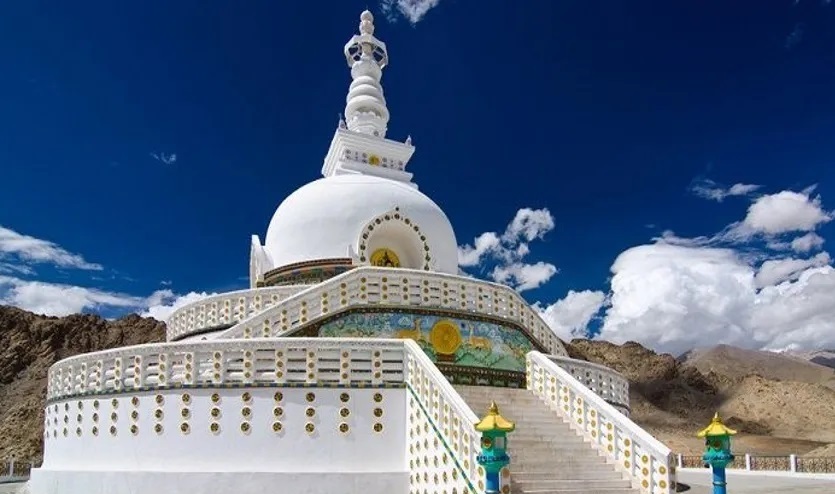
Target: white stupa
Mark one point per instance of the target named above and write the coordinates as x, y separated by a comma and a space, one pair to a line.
351, 364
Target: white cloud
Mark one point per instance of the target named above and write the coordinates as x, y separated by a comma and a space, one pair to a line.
413, 10
55, 299
774, 271
709, 189
673, 298
569, 317
784, 212
168, 159
508, 250
524, 276
163, 303
806, 243
483, 244
26, 249
679, 293
529, 224
12, 268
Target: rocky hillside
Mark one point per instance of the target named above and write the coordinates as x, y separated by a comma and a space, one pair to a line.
674, 399
29, 344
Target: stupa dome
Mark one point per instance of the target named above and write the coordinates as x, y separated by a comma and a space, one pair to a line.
330, 218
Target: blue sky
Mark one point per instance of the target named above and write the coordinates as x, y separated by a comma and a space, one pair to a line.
151, 139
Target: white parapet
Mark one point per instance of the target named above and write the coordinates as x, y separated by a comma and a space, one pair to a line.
372, 286
603, 381
648, 463
252, 416
317, 415
221, 311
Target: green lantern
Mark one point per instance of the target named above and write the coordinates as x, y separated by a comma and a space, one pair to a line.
717, 451
493, 457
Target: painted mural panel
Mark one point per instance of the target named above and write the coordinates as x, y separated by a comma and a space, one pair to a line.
447, 340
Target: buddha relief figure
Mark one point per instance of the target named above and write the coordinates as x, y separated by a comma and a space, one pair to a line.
385, 258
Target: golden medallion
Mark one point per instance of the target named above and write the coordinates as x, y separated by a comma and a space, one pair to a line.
445, 337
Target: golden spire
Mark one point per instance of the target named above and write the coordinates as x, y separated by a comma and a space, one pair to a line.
493, 421
716, 428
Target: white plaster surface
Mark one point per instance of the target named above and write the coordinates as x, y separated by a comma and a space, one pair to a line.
159, 482
324, 219
256, 461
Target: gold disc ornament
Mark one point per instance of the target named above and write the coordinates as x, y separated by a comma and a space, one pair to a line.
445, 337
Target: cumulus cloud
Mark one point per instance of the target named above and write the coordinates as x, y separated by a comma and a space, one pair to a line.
506, 251
163, 303
784, 212
24, 249
413, 10
524, 276
810, 241
569, 317
774, 271
677, 293
709, 189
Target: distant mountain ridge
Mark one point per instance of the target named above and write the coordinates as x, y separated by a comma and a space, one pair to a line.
820, 357
737, 363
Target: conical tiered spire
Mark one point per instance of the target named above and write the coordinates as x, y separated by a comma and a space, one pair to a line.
365, 108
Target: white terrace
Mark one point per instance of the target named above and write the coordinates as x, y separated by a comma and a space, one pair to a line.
304, 412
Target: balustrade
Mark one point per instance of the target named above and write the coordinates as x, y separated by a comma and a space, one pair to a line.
647, 462
605, 382
442, 439
220, 311
260, 362
399, 288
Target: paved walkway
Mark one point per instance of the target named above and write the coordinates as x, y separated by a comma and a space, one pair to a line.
744, 483
699, 482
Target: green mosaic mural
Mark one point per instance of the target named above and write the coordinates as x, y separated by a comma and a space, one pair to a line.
447, 340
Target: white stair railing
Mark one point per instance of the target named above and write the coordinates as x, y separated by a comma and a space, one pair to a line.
649, 464
443, 443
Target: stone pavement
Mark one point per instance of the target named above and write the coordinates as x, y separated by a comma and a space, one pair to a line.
744, 483
10, 488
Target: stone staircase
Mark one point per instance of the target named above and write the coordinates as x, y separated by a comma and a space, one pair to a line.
546, 455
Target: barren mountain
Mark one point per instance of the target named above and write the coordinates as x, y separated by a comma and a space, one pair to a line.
820, 357
29, 344
777, 412
737, 363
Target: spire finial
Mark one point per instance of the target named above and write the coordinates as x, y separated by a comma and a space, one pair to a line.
367, 22
365, 108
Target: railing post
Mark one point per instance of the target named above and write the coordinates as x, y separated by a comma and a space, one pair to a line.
793, 463
748, 461
11, 468
679, 460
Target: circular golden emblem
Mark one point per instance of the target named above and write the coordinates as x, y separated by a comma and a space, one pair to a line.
445, 337
373, 160
385, 258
